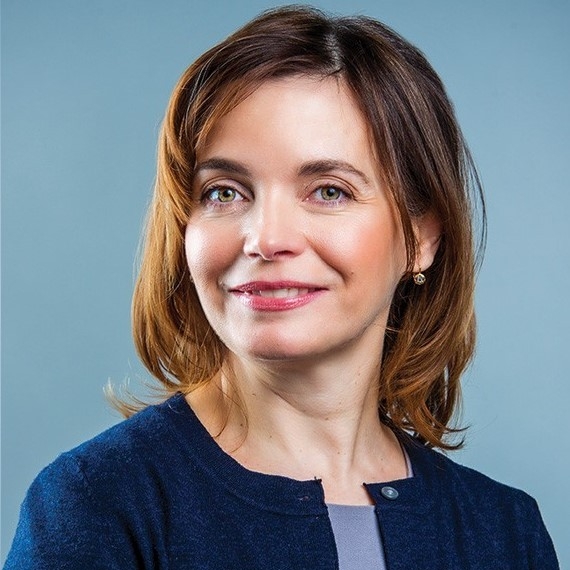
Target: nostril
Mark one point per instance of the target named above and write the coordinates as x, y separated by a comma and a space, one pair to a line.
272, 243
270, 254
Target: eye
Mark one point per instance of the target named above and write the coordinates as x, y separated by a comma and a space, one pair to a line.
222, 195
329, 193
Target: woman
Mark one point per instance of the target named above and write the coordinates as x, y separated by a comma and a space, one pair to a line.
306, 301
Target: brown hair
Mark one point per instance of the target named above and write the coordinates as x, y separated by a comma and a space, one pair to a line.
425, 163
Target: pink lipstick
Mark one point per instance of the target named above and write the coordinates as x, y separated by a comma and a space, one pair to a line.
276, 295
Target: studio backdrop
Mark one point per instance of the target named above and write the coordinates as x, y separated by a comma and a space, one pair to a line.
84, 86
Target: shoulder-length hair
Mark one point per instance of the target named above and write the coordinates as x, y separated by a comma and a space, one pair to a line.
424, 163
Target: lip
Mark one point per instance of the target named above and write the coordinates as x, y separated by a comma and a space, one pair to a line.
276, 295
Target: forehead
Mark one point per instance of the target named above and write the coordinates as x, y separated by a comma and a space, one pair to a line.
313, 117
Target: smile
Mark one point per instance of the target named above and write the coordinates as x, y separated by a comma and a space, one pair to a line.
282, 293
275, 296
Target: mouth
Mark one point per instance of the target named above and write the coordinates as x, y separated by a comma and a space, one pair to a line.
276, 295
275, 289
284, 293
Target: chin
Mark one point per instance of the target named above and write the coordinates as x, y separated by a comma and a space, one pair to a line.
276, 354
275, 350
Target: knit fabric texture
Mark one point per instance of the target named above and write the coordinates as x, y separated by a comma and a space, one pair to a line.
157, 492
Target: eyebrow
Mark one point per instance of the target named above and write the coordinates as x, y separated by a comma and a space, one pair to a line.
224, 164
310, 168
327, 165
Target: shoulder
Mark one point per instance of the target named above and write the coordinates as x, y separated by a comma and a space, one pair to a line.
139, 439
96, 506
441, 472
124, 453
124, 459
129, 464
469, 481
484, 509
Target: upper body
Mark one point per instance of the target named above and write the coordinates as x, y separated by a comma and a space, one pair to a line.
307, 284
157, 492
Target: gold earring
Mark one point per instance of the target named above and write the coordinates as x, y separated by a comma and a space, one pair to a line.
419, 277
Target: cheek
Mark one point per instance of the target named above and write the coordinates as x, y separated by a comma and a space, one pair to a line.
204, 251
195, 247
371, 247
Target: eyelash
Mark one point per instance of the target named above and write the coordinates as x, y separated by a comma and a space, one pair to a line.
207, 196
214, 201
343, 194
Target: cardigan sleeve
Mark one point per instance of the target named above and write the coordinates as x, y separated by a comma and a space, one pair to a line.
62, 526
542, 555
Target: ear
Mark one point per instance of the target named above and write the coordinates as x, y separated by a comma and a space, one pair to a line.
428, 233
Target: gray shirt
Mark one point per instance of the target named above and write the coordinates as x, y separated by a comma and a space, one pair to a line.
357, 537
357, 534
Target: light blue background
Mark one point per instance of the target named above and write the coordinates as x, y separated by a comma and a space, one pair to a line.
84, 86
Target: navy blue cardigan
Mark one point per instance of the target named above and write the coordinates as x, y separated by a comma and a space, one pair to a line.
157, 492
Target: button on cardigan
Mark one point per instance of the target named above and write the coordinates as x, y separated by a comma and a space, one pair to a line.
157, 492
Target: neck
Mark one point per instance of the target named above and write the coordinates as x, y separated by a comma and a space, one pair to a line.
303, 421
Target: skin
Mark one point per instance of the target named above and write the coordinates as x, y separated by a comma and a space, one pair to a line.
295, 251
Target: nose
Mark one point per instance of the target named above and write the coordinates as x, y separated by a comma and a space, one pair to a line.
274, 228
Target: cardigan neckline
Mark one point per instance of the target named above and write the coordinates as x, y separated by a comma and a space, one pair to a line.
281, 494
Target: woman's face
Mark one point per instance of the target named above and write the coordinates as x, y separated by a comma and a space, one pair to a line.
294, 246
